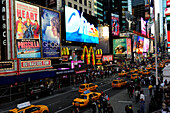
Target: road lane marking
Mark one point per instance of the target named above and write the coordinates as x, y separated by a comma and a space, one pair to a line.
107, 89
63, 109
125, 101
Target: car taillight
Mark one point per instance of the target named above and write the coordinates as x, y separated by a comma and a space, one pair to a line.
31, 93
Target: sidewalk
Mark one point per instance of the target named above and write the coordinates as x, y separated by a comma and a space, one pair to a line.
120, 100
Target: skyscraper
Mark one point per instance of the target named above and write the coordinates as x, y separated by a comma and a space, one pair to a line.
98, 10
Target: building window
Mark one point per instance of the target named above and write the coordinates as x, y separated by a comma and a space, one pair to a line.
85, 2
80, 9
89, 12
75, 0
85, 10
80, 1
75, 6
69, 4
89, 4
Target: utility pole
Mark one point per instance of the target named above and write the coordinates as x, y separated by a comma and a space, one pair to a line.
156, 63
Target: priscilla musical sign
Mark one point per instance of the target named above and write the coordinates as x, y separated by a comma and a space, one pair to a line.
27, 30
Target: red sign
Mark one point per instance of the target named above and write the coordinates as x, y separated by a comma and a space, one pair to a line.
107, 57
167, 3
37, 63
65, 58
98, 56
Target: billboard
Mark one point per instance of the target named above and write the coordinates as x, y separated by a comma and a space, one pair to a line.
128, 46
119, 46
146, 45
134, 43
143, 26
80, 27
107, 58
140, 42
27, 30
151, 47
115, 24
50, 33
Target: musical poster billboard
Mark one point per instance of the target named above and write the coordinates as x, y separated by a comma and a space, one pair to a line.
27, 30
50, 33
115, 24
134, 43
140, 43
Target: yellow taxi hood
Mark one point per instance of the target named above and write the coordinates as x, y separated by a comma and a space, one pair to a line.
80, 100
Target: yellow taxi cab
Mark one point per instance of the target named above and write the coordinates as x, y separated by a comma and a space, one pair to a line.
146, 72
84, 99
134, 76
161, 65
118, 83
87, 86
26, 107
148, 67
123, 73
140, 71
133, 70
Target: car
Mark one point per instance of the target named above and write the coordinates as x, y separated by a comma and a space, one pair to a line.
133, 70
134, 76
140, 71
146, 72
83, 99
148, 67
26, 107
118, 83
87, 86
123, 73
36, 92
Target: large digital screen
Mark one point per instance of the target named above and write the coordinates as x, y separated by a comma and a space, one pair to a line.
79, 28
50, 33
27, 30
146, 45
140, 43
134, 43
143, 26
120, 46
115, 24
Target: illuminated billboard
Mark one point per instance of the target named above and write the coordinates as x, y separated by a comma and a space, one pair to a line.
27, 30
143, 26
146, 45
50, 33
115, 24
120, 46
134, 43
151, 47
140, 42
128, 46
79, 28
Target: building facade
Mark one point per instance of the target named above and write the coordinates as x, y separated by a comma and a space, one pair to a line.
98, 10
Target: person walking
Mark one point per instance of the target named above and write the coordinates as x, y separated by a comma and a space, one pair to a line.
99, 106
104, 105
137, 93
130, 110
94, 106
142, 106
126, 108
110, 109
150, 89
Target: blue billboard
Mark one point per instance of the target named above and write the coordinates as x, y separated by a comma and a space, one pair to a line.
79, 28
50, 33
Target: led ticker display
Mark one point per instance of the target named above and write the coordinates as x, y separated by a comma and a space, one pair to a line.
79, 27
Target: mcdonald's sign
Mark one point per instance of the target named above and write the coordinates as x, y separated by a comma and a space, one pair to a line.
89, 53
65, 54
99, 56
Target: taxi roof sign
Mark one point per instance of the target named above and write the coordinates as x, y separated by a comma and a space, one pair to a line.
23, 105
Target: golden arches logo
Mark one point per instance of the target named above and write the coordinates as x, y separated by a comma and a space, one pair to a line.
89, 53
65, 51
99, 52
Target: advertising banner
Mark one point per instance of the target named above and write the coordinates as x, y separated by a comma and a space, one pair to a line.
36, 63
151, 47
128, 46
107, 58
80, 27
115, 24
143, 26
140, 42
168, 3
27, 30
50, 33
146, 45
134, 43
7, 65
119, 46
